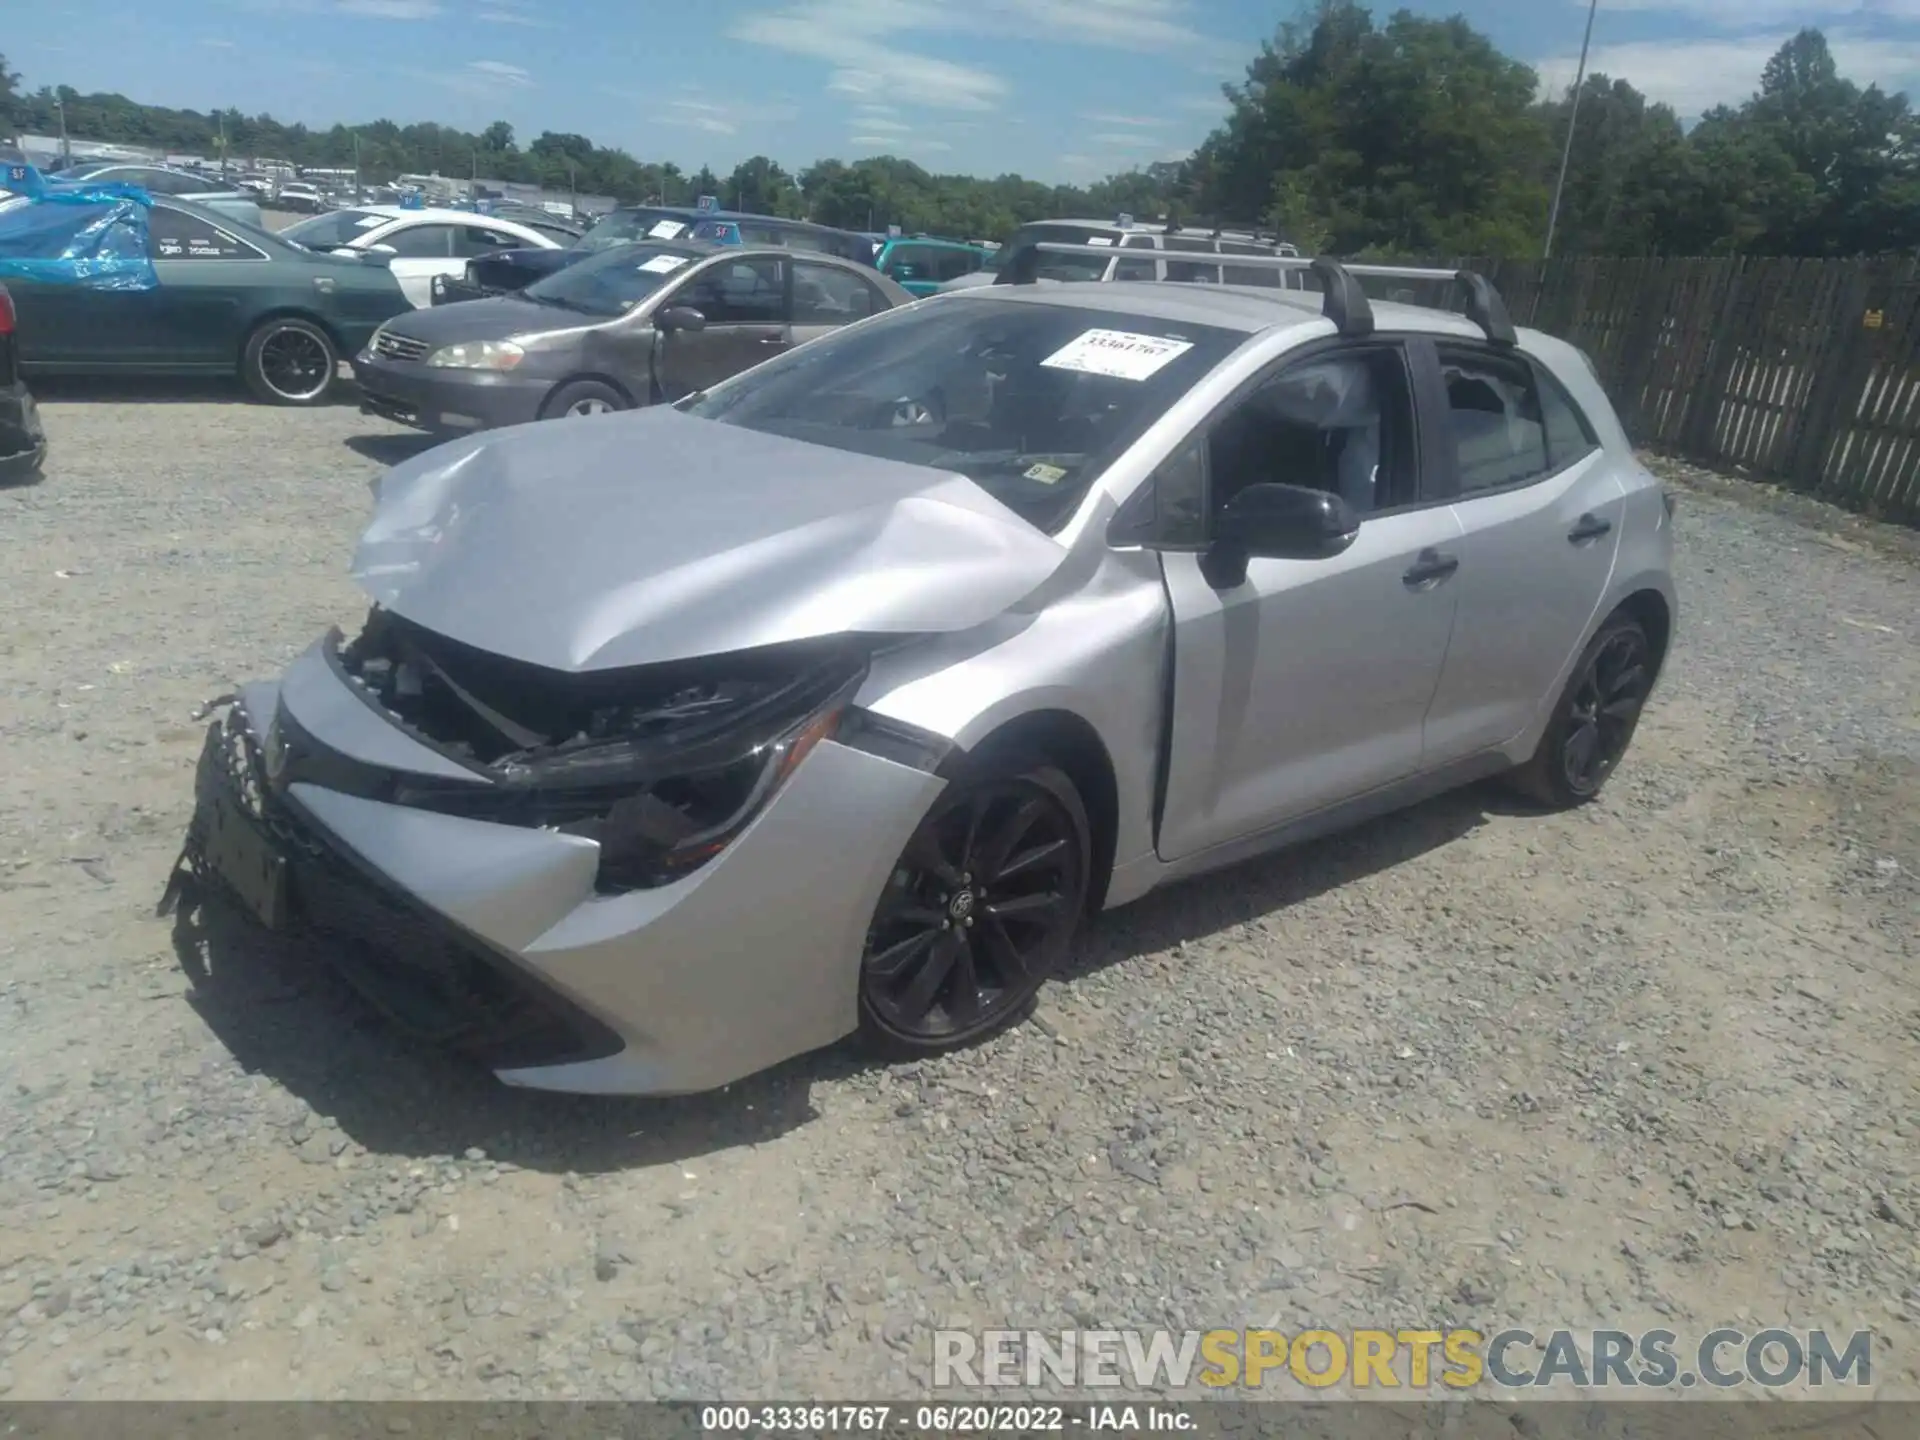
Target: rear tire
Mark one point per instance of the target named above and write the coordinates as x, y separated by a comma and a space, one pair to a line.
582, 397
1594, 719
981, 908
289, 361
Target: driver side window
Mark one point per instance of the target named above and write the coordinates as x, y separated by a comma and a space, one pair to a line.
1341, 421
739, 292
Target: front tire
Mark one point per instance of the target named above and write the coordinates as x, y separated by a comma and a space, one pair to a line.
982, 907
582, 397
1594, 721
288, 361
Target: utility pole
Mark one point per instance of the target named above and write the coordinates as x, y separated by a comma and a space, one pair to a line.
66, 148
223, 142
356, 167
1573, 117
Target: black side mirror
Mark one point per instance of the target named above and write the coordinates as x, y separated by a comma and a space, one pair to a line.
679, 317
1277, 522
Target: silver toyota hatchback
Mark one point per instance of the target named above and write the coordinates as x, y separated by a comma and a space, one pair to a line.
837, 697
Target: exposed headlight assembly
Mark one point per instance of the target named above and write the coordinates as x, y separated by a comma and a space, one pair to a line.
663, 785
478, 355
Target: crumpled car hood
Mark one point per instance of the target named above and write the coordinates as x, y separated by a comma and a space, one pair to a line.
651, 536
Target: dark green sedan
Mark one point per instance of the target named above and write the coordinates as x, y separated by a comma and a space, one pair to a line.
231, 299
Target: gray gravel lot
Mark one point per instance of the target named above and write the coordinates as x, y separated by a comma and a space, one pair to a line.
1650, 1064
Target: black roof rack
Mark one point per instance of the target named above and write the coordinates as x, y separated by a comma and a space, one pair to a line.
1346, 303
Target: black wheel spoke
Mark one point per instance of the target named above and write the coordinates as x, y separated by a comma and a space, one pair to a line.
921, 992
1620, 711
1006, 958
888, 964
1627, 682
1025, 907
1582, 746
963, 989
994, 852
1028, 860
924, 853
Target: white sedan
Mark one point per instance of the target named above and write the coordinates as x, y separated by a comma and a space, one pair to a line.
423, 243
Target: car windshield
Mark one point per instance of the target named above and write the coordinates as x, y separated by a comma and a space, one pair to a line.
334, 229
1030, 401
610, 283
622, 227
1057, 267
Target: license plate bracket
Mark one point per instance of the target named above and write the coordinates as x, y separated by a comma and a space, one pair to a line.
242, 856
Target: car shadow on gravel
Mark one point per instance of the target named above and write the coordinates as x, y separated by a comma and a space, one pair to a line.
391, 449
1267, 884
161, 390
283, 1012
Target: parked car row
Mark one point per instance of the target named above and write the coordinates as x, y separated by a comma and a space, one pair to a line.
648, 305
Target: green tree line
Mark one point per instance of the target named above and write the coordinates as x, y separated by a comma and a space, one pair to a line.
1349, 135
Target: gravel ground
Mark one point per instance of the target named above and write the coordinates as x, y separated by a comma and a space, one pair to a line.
1652, 1063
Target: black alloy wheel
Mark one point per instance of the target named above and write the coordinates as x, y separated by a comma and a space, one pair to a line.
980, 910
290, 362
1596, 717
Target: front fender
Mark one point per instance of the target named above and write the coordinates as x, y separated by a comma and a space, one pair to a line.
1098, 654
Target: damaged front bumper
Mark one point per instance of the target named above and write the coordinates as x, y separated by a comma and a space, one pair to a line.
23, 439
502, 941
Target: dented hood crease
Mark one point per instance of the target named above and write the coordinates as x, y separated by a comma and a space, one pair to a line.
651, 536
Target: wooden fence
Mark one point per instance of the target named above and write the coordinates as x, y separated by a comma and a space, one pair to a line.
1805, 372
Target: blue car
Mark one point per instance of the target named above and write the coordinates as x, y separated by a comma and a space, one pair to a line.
920, 265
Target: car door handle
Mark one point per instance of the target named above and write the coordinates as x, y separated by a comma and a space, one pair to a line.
1588, 527
1429, 568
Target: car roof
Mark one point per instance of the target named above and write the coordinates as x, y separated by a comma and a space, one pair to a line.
1245, 308
444, 215
735, 217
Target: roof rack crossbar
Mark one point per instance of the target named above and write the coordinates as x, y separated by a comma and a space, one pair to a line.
1346, 303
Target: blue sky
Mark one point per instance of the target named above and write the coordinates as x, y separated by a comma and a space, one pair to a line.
1054, 89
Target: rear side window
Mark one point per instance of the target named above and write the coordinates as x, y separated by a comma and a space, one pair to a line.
827, 295
1499, 435
1190, 271
1570, 434
1131, 269
952, 264
422, 242
1258, 275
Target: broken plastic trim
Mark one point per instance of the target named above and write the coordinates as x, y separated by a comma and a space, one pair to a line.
662, 766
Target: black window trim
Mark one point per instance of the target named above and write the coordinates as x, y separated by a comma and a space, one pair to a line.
1128, 529
712, 262
1447, 457
387, 236
254, 252
877, 301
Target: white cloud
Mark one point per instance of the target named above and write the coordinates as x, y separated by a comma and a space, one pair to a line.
509, 12
1695, 75
901, 144
1746, 14
1142, 122
390, 9
499, 70
698, 115
867, 41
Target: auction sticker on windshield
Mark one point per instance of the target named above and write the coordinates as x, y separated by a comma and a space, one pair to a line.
665, 230
1119, 353
663, 264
